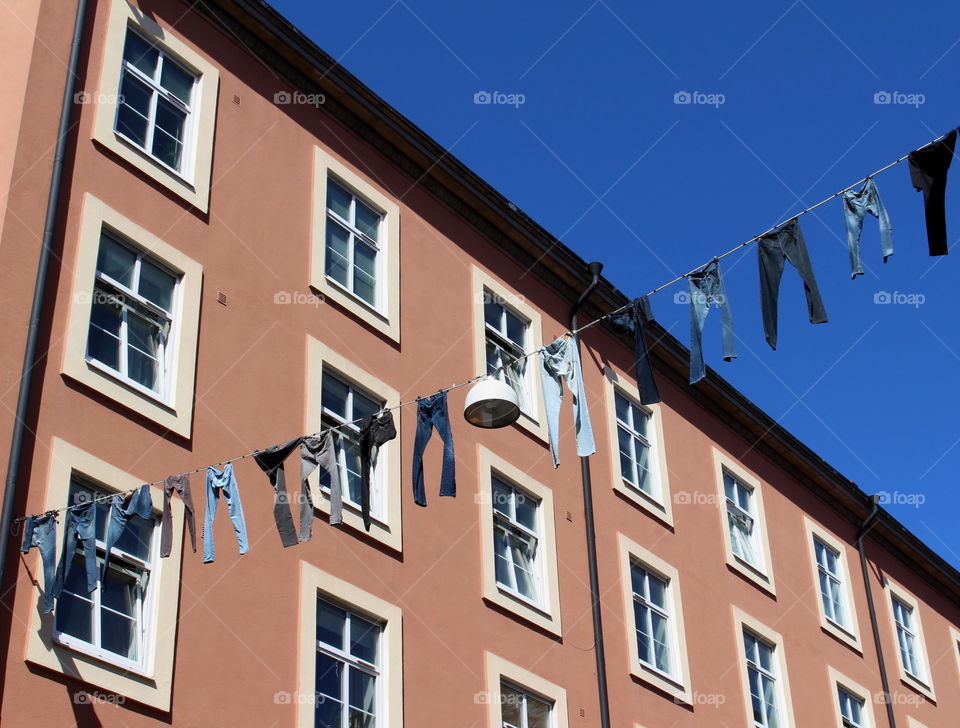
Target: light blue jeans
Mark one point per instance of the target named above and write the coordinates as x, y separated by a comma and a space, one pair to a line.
41, 531
855, 206
223, 482
706, 287
561, 359
140, 504
80, 525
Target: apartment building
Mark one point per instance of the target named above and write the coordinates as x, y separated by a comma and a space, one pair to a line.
248, 245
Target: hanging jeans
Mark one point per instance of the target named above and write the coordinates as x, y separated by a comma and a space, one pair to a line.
785, 243
928, 172
706, 287
180, 484
140, 504
855, 206
561, 360
79, 526
41, 531
223, 481
375, 430
319, 452
271, 462
432, 413
633, 320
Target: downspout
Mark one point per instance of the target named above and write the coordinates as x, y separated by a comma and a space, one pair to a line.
30, 359
867, 524
595, 269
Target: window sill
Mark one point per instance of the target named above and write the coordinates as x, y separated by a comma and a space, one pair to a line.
524, 609
103, 656
127, 382
640, 498
918, 685
662, 681
841, 633
123, 139
752, 573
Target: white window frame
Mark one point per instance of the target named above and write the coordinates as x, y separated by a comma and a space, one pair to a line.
499, 338
847, 632
922, 683
676, 682
525, 696
743, 623
761, 573
509, 524
188, 149
651, 608
499, 671
545, 614
766, 676
659, 503
838, 682
384, 316
364, 239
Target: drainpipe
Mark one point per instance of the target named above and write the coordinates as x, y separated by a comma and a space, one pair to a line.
594, 269
30, 355
867, 525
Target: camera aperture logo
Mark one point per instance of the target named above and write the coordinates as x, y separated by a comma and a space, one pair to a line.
498, 98
699, 98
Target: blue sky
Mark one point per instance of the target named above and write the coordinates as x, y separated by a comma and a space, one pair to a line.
587, 138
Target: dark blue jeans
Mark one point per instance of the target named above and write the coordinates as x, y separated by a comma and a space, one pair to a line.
41, 531
633, 320
140, 504
706, 287
855, 206
432, 412
80, 526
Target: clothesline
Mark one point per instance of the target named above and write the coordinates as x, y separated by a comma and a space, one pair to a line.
525, 355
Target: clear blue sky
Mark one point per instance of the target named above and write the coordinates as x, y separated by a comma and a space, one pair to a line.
601, 155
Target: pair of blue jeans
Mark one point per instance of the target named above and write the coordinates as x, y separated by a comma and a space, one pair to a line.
561, 360
223, 482
80, 525
140, 504
41, 531
706, 287
632, 320
432, 413
855, 206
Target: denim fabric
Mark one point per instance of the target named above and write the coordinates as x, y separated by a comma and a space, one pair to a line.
785, 243
633, 320
80, 525
855, 206
41, 531
432, 412
319, 452
706, 287
928, 172
140, 504
180, 484
375, 430
271, 462
223, 481
561, 360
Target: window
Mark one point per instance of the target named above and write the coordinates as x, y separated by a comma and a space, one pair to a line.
521, 709
154, 107
831, 585
651, 614
633, 427
740, 520
109, 622
506, 342
342, 403
156, 103
131, 315
353, 242
515, 540
835, 601
519, 543
762, 677
347, 669
851, 709
907, 638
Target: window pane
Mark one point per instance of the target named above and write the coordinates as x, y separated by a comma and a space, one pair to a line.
501, 557
176, 80
141, 54
330, 625
142, 364
538, 713
338, 253
74, 615
119, 593
362, 690
637, 578
363, 406
516, 329
328, 713
492, 311
117, 634
368, 221
156, 285
116, 260
729, 487
526, 508
511, 703
168, 135
133, 111
103, 343
502, 495
623, 409
640, 623
351, 457
363, 639
658, 591
365, 272
334, 396
137, 537
329, 676
361, 720
523, 568
338, 200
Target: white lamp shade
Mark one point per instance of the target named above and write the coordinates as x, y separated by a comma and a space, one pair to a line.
491, 403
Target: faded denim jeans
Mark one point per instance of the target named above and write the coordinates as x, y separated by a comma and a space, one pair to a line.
706, 287
855, 206
140, 504
632, 320
80, 526
561, 360
223, 482
432, 412
41, 531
